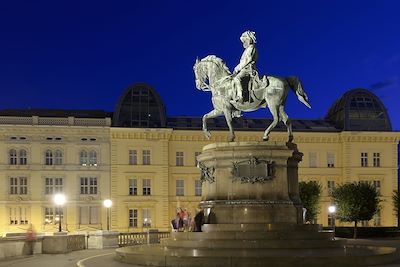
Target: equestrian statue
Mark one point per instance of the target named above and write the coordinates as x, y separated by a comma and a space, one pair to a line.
244, 90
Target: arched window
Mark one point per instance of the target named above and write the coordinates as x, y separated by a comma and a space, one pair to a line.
13, 157
22, 157
58, 157
48, 157
83, 158
93, 158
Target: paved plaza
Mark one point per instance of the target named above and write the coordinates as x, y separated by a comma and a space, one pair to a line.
105, 257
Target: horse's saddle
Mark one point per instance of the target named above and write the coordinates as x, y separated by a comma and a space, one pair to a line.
251, 85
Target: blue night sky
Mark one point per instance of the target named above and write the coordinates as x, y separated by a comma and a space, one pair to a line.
83, 54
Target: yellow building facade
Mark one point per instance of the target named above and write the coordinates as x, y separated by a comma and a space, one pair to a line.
42, 156
146, 163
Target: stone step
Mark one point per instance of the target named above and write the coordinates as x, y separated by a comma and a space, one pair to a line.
252, 244
273, 235
260, 227
159, 255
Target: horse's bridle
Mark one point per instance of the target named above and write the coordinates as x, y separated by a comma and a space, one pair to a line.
200, 83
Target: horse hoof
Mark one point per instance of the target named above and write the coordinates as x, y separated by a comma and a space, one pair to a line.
231, 139
207, 134
265, 139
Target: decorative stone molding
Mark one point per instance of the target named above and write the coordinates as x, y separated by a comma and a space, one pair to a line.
253, 171
206, 173
245, 202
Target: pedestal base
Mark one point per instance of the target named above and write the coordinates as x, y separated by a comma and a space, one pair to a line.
254, 245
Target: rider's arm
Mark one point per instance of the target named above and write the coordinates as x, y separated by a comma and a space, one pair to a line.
247, 58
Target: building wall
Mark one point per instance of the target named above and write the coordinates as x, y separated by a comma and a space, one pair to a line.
18, 210
114, 171
346, 148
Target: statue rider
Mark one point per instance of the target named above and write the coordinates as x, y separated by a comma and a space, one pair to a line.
247, 65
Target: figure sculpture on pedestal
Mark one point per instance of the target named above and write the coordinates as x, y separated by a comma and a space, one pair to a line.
246, 70
230, 97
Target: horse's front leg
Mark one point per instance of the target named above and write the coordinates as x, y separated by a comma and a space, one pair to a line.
212, 114
228, 118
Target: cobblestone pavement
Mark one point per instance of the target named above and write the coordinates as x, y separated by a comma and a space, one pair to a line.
105, 258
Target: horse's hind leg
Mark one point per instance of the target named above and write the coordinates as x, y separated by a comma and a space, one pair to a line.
286, 121
275, 114
212, 114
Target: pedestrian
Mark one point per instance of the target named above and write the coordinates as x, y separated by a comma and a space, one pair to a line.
30, 239
198, 221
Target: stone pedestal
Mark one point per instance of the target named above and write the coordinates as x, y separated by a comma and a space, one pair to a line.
248, 182
253, 217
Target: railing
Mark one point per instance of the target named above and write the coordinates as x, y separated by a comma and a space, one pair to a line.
75, 242
132, 239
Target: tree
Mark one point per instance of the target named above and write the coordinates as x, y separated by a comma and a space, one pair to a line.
396, 205
309, 195
355, 202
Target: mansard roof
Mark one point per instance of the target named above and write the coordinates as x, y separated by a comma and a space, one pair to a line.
62, 113
140, 106
248, 124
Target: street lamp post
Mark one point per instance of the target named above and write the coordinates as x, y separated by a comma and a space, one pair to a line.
332, 210
108, 203
59, 200
147, 223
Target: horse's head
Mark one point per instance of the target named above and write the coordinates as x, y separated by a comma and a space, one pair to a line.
209, 70
200, 75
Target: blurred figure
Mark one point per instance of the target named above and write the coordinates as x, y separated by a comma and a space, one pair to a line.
31, 239
198, 221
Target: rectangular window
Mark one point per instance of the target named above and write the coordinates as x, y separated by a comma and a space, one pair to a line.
132, 157
53, 186
146, 157
146, 218
133, 187
89, 185
13, 157
22, 157
331, 160
331, 187
377, 185
13, 186
18, 185
195, 158
197, 188
58, 157
179, 158
133, 217
18, 215
52, 215
180, 187
146, 187
49, 157
377, 159
14, 215
89, 215
23, 185
364, 159
313, 159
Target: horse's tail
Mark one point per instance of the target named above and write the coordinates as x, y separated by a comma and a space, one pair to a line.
295, 85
